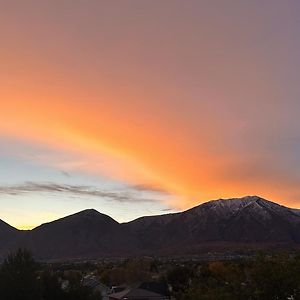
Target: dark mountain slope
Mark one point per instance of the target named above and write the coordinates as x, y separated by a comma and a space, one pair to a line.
245, 220
84, 234
8, 237
231, 223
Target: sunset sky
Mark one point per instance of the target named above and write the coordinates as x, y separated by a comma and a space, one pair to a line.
146, 107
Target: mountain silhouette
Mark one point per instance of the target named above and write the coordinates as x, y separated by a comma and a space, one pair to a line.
219, 224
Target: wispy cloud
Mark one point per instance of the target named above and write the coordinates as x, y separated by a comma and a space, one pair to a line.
168, 209
124, 195
149, 188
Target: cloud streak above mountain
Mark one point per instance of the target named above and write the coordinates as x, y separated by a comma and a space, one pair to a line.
125, 195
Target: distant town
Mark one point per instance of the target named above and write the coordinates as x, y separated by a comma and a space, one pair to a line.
257, 275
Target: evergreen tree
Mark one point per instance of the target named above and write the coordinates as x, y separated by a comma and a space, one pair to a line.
18, 279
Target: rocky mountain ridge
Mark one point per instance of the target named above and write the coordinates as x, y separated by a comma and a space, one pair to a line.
231, 223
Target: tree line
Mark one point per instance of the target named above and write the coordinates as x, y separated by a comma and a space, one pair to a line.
22, 278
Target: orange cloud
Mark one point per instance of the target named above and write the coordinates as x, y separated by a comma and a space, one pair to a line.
138, 151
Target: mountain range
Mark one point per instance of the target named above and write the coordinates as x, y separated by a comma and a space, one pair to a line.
250, 222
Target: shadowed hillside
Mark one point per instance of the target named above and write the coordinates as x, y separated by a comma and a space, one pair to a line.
215, 225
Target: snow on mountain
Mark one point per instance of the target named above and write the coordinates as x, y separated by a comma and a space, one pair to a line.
232, 223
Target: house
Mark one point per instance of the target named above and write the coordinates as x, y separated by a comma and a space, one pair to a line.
143, 291
97, 287
157, 287
117, 288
